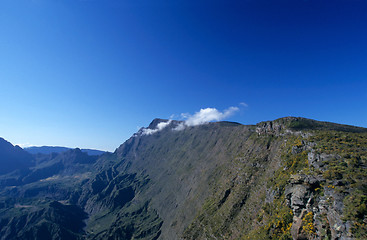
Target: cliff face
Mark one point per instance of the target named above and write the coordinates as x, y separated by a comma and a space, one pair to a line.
291, 178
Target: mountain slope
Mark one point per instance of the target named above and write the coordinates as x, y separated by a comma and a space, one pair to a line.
13, 157
209, 181
189, 161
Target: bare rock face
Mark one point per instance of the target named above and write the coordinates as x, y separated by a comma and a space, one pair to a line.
339, 229
326, 211
318, 160
300, 195
330, 207
270, 127
296, 229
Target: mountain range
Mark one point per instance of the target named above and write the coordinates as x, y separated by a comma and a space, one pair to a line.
291, 178
57, 149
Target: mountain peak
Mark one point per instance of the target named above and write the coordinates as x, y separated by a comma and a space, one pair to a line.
156, 121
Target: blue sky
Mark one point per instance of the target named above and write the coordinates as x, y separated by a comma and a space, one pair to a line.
88, 73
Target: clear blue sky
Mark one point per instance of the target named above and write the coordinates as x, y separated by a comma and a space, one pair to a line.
87, 73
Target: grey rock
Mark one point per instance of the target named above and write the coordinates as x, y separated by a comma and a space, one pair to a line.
270, 195
339, 229
297, 197
297, 149
296, 229
270, 127
318, 160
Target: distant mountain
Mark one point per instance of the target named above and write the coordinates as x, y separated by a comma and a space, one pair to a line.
291, 178
56, 149
69, 163
13, 157
19, 167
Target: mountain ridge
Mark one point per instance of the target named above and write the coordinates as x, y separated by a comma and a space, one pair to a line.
59, 149
13, 157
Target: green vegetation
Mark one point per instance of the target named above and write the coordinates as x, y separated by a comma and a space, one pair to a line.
356, 210
276, 220
309, 124
349, 167
308, 225
291, 164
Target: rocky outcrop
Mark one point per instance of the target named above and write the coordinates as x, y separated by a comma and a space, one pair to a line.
271, 127
300, 192
300, 196
318, 161
326, 211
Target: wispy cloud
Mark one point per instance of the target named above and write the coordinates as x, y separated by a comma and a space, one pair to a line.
205, 115
160, 126
23, 145
243, 104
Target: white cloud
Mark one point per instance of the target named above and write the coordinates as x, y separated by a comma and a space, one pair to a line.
179, 127
185, 115
209, 114
243, 104
160, 126
204, 116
